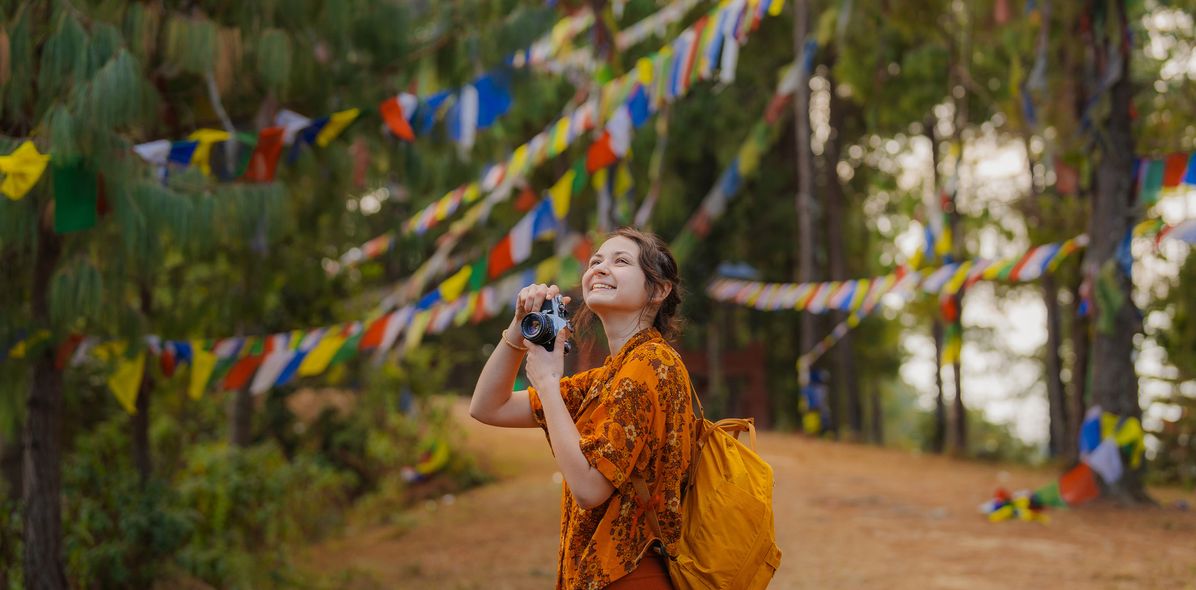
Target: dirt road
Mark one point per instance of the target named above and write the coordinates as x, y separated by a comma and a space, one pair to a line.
847, 516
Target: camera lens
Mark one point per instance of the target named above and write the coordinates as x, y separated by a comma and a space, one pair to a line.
533, 327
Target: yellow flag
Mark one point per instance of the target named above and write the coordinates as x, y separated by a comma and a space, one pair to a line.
202, 365
472, 192
317, 360
598, 180
957, 280
749, 157
560, 136
546, 271
623, 180
942, 247
452, 287
861, 291
22, 169
518, 161
202, 157
643, 70
562, 194
442, 207
336, 123
466, 311
125, 379
994, 269
415, 331
1128, 434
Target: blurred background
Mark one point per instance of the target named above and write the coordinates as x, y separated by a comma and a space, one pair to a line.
255, 254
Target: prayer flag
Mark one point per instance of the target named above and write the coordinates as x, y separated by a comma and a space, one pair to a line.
204, 139
395, 116
336, 124
202, 364
22, 169
500, 258
320, 356
1078, 486
75, 197
1106, 461
1173, 170
263, 162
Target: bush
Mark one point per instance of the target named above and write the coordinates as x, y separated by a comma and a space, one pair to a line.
119, 532
251, 503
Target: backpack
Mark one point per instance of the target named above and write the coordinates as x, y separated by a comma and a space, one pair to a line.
728, 539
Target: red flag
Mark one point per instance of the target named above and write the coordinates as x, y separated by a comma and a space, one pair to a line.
500, 258
167, 360
66, 350
1017, 268
478, 315
392, 114
776, 107
1078, 486
373, 334
264, 160
241, 372
526, 200
692, 55
600, 154
583, 250
1173, 169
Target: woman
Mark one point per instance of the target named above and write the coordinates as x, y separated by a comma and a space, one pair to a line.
609, 426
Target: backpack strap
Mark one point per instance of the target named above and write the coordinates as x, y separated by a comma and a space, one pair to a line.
641, 487
734, 426
648, 507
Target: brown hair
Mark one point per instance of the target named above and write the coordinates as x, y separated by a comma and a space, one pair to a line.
660, 271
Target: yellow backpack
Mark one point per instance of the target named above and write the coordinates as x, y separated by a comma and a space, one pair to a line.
728, 539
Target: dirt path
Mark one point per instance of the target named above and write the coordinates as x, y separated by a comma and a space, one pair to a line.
847, 516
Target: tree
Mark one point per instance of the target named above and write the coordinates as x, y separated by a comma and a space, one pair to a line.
1114, 378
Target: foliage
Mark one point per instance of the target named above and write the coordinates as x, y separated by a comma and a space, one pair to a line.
1175, 460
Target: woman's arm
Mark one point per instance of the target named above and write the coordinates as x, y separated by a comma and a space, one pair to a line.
493, 401
589, 487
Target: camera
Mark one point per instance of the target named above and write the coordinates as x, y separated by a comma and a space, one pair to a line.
541, 327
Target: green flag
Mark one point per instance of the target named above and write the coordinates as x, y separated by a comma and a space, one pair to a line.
75, 194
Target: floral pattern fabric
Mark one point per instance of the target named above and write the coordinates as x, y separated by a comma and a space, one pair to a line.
634, 417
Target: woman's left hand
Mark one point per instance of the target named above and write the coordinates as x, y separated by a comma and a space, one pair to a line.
545, 369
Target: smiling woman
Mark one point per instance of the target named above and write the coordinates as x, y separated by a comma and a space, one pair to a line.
628, 419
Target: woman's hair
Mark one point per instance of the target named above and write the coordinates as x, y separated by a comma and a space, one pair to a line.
660, 272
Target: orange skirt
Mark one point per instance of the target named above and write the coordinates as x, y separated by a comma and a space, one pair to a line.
650, 574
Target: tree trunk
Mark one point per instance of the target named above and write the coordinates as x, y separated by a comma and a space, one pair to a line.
847, 380
938, 440
1114, 380
1060, 438
42, 493
959, 422
242, 418
805, 174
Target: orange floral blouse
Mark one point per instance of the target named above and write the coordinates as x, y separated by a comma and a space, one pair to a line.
636, 418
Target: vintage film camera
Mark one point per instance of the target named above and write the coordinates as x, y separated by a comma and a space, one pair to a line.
541, 327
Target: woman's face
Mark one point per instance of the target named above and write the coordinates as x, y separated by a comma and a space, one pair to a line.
614, 281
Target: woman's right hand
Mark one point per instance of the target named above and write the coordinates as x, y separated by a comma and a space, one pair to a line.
532, 297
